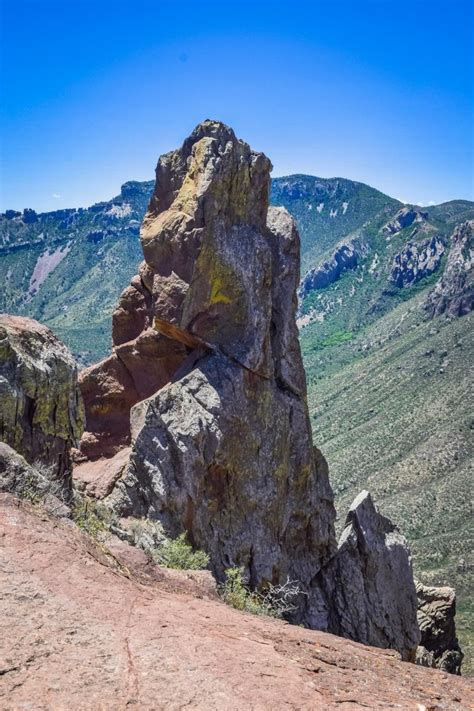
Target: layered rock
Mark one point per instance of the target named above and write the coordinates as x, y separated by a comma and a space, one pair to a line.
41, 414
416, 261
215, 410
405, 217
346, 256
453, 294
439, 646
368, 592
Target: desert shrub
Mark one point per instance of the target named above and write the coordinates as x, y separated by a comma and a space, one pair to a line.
92, 517
178, 553
275, 600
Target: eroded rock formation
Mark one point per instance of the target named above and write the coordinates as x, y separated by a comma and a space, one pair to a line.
41, 414
368, 588
416, 261
346, 256
206, 385
453, 294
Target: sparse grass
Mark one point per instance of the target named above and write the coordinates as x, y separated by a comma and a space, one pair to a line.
92, 517
179, 554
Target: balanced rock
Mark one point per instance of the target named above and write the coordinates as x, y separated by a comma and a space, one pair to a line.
41, 414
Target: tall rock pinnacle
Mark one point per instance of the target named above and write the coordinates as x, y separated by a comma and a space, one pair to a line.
206, 386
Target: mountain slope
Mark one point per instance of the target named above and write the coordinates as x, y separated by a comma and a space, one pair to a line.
52, 263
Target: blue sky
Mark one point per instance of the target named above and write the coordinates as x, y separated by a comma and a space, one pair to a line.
375, 90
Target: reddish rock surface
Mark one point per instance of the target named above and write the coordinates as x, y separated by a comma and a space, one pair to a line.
79, 630
97, 477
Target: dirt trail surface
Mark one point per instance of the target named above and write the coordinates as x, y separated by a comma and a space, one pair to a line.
80, 630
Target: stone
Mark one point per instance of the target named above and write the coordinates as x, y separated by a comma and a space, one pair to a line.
368, 592
416, 261
439, 646
41, 413
347, 255
81, 628
21, 479
453, 294
218, 425
224, 450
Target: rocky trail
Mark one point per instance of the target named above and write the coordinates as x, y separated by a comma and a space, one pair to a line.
80, 630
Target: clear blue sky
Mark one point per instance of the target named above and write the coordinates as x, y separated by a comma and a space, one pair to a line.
374, 90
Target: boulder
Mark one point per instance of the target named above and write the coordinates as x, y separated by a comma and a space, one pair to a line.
453, 294
41, 413
439, 645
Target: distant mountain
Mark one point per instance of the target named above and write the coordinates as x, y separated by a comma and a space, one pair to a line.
66, 268
328, 209
386, 331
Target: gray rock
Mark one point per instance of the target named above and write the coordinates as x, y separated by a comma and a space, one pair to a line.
41, 414
19, 478
453, 294
416, 261
222, 448
405, 217
347, 255
224, 451
367, 592
439, 646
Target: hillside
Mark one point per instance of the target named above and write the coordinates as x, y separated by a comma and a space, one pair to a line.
51, 264
388, 386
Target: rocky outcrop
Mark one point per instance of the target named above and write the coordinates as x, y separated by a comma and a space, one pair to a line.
405, 217
84, 629
416, 261
41, 414
24, 481
439, 646
222, 450
217, 423
346, 256
453, 294
368, 592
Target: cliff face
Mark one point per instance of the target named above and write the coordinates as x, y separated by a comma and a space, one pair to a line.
41, 415
206, 386
453, 294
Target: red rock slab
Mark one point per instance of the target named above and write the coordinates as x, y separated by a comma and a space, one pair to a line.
79, 631
97, 478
